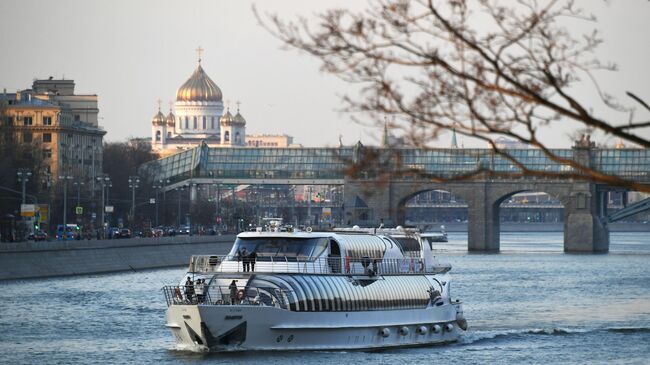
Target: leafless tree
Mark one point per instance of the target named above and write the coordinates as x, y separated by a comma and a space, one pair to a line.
484, 68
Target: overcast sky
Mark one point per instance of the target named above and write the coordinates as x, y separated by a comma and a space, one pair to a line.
132, 53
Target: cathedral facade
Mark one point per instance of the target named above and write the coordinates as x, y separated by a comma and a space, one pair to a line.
197, 115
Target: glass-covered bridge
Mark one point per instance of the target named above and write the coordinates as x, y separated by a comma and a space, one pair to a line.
330, 165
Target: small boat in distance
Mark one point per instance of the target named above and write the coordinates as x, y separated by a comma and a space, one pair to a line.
435, 237
281, 289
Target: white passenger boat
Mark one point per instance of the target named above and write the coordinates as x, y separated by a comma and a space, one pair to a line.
315, 291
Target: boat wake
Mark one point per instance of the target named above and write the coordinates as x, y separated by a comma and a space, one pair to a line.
476, 337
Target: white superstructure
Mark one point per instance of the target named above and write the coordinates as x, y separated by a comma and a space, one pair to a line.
314, 291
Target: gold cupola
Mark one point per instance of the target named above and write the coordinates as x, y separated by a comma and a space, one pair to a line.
158, 119
199, 87
227, 119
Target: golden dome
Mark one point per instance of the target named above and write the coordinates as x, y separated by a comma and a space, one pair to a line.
171, 119
158, 119
226, 118
239, 119
199, 87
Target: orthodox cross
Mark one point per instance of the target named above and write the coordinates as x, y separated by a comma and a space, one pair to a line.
238, 104
159, 104
171, 106
199, 51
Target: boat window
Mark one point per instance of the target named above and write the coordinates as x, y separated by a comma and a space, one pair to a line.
408, 243
277, 248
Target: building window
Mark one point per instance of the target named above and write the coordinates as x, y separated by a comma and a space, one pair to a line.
27, 120
47, 153
226, 136
204, 123
237, 137
47, 137
9, 121
212, 122
27, 137
47, 120
195, 123
187, 123
157, 136
77, 118
169, 134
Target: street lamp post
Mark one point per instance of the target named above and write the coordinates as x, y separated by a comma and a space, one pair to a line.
104, 181
23, 176
179, 190
65, 179
133, 184
157, 187
217, 199
78, 184
47, 181
164, 212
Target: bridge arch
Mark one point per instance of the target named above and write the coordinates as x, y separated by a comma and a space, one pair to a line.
429, 206
526, 207
405, 194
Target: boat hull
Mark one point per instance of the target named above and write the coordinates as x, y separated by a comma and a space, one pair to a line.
246, 327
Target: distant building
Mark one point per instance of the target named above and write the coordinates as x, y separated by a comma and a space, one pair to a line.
64, 125
270, 140
198, 116
506, 143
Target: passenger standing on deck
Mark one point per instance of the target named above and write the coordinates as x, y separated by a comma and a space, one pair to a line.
244, 256
189, 290
233, 292
251, 260
199, 290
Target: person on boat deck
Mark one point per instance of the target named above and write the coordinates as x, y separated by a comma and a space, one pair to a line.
243, 255
189, 289
251, 260
200, 288
233, 292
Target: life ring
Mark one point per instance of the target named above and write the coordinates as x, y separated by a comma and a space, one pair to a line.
178, 293
240, 294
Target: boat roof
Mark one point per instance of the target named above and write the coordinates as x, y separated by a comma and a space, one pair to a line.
300, 234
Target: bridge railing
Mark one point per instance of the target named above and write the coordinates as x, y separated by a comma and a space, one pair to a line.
208, 264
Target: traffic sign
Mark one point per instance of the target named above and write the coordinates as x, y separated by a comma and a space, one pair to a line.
27, 210
79, 210
109, 209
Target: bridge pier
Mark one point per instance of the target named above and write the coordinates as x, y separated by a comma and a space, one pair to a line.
367, 204
483, 226
584, 230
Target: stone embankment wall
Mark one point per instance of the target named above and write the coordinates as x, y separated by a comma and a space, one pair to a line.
22, 260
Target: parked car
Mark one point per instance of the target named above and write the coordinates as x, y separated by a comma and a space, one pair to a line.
67, 233
113, 232
124, 233
157, 231
183, 230
38, 236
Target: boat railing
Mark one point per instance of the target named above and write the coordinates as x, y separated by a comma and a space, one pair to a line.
322, 265
225, 295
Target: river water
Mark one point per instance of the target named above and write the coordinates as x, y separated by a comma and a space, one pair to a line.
530, 304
